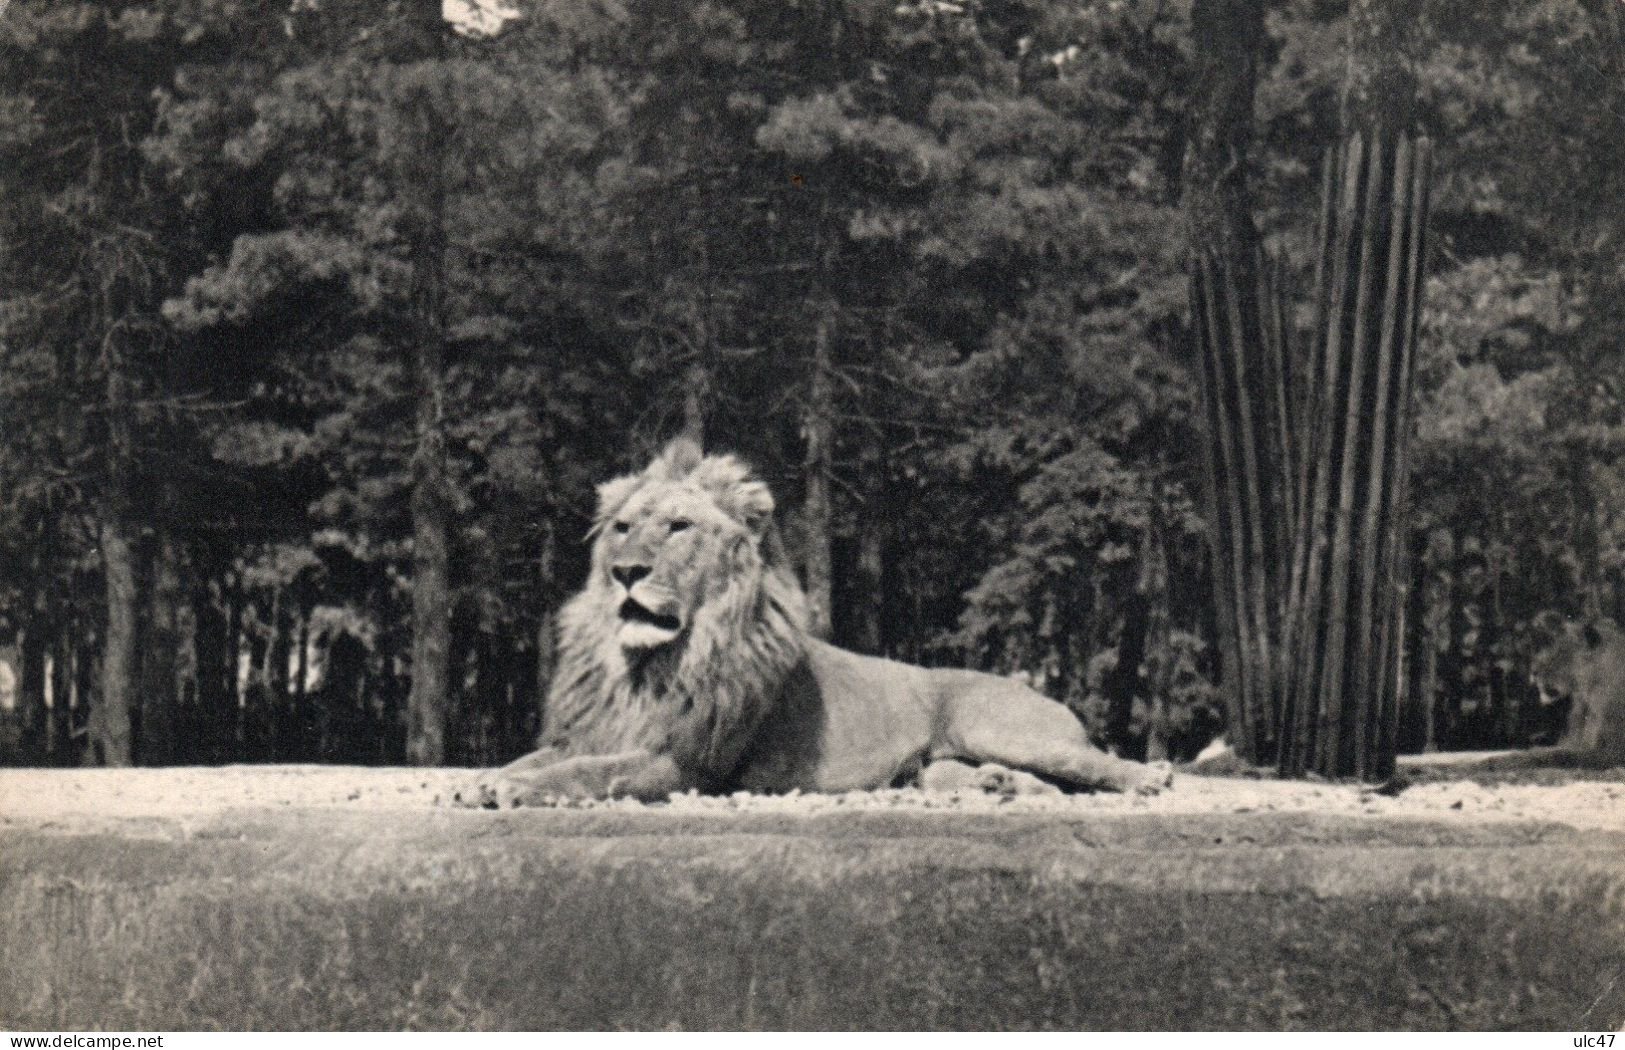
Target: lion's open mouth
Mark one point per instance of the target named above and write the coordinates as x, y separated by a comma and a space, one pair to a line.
632, 611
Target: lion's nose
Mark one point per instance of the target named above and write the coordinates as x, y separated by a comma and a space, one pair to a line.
627, 575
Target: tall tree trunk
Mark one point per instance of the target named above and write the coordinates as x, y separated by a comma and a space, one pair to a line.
428, 701
236, 607
696, 395
547, 624
1306, 476
110, 729
869, 590
32, 647
1413, 662
1348, 597
109, 722
278, 653
1122, 682
160, 646
211, 694
1248, 380
1227, 38
817, 512
303, 750
1379, 88
1453, 674
59, 735
30, 696
257, 726
1155, 578
1120, 685
82, 729
1430, 694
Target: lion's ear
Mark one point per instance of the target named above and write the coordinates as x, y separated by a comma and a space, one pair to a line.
612, 495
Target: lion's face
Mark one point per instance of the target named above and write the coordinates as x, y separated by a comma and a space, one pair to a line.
664, 555
673, 539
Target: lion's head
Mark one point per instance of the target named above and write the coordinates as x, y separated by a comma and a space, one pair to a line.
689, 620
674, 539
1586, 663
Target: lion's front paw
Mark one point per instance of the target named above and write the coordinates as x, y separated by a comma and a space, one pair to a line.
481, 794
994, 779
507, 792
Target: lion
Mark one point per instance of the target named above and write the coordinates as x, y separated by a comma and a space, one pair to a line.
685, 664
1586, 664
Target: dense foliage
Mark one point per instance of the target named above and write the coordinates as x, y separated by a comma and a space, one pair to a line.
921, 262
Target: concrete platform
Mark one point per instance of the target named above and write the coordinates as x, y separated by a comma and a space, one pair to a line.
352, 914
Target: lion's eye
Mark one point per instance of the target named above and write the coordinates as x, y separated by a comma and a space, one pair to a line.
679, 524
623, 527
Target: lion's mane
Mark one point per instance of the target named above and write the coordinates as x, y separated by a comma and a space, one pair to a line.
701, 699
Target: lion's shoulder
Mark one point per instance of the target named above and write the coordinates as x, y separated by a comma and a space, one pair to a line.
841, 721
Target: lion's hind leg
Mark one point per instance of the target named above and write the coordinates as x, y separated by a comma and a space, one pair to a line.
997, 721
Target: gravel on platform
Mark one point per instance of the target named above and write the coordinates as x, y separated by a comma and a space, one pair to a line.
66, 800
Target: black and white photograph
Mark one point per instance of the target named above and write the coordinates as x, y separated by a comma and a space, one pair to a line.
1091, 516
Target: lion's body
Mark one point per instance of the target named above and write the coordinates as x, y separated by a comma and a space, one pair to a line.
844, 721
685, 664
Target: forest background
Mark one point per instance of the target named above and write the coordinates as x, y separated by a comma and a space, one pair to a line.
319, 320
